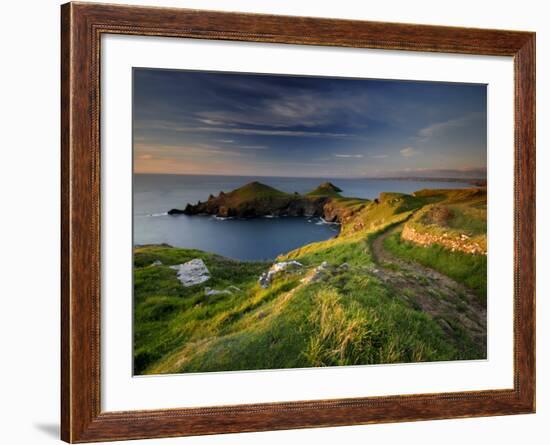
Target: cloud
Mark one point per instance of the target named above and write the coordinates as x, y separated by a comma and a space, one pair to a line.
442, 127
436, 173
254, 147
379, 156
162, 151
253, 131
409, 151
283, 109
211, 121
172, 126
340, 155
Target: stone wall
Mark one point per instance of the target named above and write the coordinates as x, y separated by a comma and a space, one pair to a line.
462, 244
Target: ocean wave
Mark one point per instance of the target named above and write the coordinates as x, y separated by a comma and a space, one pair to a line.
152, 215
324, 221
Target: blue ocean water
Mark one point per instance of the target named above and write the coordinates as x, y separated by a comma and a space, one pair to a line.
252, 239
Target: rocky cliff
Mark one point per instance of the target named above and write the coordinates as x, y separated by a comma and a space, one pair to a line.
256, 200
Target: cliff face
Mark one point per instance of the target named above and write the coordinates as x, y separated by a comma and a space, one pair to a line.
334, 211
256, 200
257, 207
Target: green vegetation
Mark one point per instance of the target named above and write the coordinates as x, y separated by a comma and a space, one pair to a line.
326, 189
167, 314
359, 308
253, 191
465, 268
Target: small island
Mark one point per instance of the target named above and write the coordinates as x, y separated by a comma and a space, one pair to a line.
255, 200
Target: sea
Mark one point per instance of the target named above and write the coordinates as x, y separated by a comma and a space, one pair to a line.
242, 239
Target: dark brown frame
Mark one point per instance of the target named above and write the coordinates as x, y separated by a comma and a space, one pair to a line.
82, 25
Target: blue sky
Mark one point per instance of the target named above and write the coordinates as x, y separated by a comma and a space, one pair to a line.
193, 122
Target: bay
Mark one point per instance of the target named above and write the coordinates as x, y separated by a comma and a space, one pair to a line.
250, 239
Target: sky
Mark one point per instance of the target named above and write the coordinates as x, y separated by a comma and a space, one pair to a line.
198, 122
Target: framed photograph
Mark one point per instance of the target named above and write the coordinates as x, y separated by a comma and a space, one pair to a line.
275, 222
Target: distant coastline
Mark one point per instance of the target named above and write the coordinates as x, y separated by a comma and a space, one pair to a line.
479, 182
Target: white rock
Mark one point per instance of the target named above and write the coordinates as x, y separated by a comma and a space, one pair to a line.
266, 278
193, 272
156, 263
208, 291
319, 271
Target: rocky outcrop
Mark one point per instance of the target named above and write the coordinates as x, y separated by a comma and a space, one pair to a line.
334, 211
460, 243
320, 272
290, 205
193, 272
259, 200
267, 277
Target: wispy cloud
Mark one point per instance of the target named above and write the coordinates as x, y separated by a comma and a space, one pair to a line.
254, 147
171, 126
155, 151
211, 121
457, 173
343, 155
441, 127
409, 151
285, 109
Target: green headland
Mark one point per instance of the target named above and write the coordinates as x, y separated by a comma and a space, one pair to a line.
404, 281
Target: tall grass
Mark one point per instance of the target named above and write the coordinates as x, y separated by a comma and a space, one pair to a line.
343, 337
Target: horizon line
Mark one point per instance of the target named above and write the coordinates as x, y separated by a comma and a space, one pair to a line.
473, 178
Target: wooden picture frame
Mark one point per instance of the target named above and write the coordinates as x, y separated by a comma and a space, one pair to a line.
82, 26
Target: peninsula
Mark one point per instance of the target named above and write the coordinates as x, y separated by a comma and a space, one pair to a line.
259, 200
403, 281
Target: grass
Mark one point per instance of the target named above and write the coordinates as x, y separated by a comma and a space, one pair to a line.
166, 314
350, 317
255, 190
470, 270
347, 320
325, 189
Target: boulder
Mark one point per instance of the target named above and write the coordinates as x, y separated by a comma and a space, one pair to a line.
320, 272
267, 277
156, 263
193, 272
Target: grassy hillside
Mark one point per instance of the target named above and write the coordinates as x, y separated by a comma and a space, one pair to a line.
254, 191
468, 269
350, 303
325, 189
459, 219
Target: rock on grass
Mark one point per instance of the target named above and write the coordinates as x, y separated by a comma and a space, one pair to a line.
193, 272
